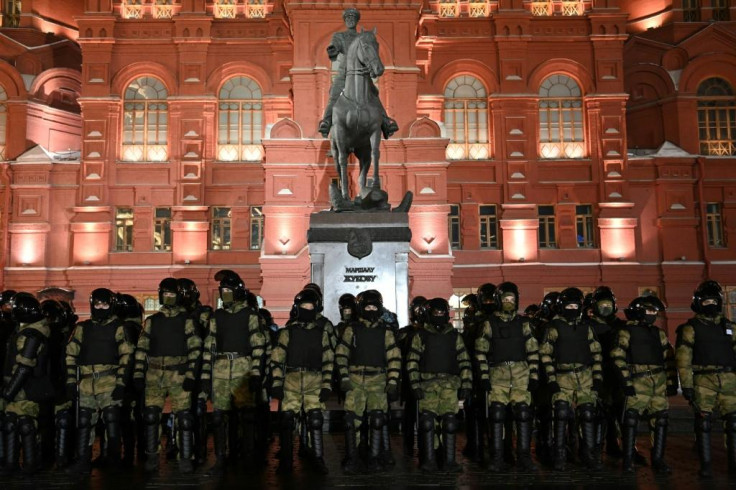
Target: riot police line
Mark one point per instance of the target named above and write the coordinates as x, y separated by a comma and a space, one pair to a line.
568, 373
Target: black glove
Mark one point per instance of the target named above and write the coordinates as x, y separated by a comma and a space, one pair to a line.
254, 384
324, 394
464, 393
629, 390
671, 390
533, 385
346, 385
118, 393
553, 387
392, 390
485, 384
139, 384
71, 391
418, 394
597, 385
189, 385
277, 392
688, 393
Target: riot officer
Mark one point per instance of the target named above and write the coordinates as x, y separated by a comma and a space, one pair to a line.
646, 363
706, 363
166, 362
101, 352
348, 312
508, 359
232, 368
370, 366
403, 339
572, 361
301, 365
440, 373
605, 325
26, 383
130, 312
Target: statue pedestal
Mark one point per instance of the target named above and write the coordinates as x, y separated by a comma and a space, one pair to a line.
353, 252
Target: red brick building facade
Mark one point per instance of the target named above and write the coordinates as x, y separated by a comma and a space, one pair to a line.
551, 143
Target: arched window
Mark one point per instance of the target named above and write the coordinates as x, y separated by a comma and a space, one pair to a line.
145, 121
3, 121
240, 121
716, 117
560, 118
466, 119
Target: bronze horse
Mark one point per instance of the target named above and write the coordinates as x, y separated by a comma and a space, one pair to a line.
357, 117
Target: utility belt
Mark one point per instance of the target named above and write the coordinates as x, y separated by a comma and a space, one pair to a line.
572, 370
369, 371
647, 372
720, 370
230, 356
98, 374
290, 369
504, 363
167, 367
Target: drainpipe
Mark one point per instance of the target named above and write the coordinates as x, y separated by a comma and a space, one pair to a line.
702, 205
5, 179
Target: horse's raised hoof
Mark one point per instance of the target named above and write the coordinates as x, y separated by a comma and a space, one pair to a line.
405, 203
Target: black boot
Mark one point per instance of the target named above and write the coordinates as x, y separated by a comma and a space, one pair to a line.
543, 447
248, 440
151, 417
702, 434
233, 436
408, 425
303, 438
730, 428
524, 421
449, 428
508, 438
470, 422
426, 434
218, 440
561, 415
185, 421
286, 440
127, 436
112, 421
63, 431
377, 420
200, 431
315, 419
12, 450
497, 413
613, 447
586, 415
481, 429
351, 463
27, 430
83, 466
629, 428
661, 421
386, 456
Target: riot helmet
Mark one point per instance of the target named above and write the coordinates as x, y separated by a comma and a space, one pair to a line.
102, 303
188, 292
370, 305
570, 304
708, 299
416, 309
26, 308
437, 312
548, 306
348, 307
307, 304
604, 302
232, 287
128, 307
506, 297
644, 309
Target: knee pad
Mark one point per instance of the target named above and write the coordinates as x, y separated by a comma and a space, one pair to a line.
85, 418
562, 410
316, 419
449, 423
522, 412
151, 415
586, 412
64, 419
11, 422
631, 418
377, 419
217, 418
287, 420
662, 419
703, 421
111, 415
26, 426
497, 412
185, 420
426, 421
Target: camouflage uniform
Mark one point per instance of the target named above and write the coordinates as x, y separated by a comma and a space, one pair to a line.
301, 366
439, 367
25, 385
571, 357
706, 363
166, 367
507, 356
233, 357
101, 352
367, 373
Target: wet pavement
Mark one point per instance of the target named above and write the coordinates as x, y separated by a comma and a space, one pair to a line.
680, 456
